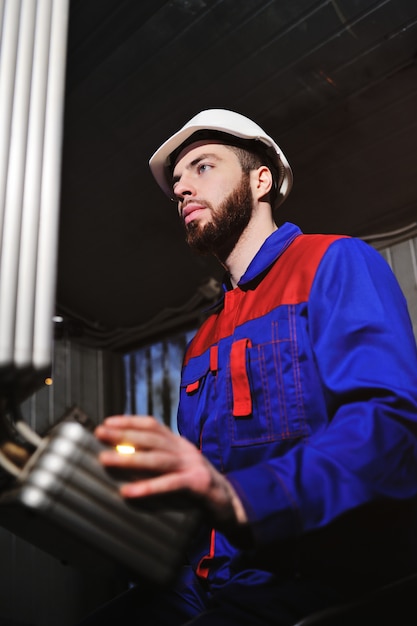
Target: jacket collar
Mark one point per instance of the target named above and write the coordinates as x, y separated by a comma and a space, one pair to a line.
268, 253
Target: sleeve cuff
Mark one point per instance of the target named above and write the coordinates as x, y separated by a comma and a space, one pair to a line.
271, 514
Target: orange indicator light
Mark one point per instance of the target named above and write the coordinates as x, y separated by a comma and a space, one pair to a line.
125, 448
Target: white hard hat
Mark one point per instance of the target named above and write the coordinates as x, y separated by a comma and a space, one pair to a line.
223, 121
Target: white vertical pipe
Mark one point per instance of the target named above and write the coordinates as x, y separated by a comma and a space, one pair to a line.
10, 247
50, 192
32, 188
8, 52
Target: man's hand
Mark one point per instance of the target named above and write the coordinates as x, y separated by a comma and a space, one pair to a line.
175, 462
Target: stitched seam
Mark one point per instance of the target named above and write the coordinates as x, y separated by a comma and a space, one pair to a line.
296, 367
280, 381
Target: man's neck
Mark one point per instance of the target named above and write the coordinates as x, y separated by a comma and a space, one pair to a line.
251, 240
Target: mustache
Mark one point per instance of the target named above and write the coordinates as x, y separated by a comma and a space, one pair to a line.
188, 201
183, 211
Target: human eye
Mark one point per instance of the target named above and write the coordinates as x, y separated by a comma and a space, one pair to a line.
203, 167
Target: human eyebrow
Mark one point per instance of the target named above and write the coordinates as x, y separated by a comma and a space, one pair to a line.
202, 157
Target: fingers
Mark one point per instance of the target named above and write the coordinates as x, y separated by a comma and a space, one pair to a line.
143, 432
157, 449
148, 461
166, 483
138, 439
132, 422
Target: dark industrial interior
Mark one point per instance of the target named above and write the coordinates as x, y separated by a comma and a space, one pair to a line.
335, 82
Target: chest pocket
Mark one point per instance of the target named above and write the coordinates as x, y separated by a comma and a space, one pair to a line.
264, 389
195, 391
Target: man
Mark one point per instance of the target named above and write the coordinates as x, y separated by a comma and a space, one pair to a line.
298, 405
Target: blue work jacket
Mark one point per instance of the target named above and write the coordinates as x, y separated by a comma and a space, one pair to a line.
302, 389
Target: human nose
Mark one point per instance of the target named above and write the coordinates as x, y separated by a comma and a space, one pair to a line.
182, 188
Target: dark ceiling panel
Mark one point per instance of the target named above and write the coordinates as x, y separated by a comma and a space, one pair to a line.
333, 81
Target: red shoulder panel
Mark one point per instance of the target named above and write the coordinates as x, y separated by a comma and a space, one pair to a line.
288, 282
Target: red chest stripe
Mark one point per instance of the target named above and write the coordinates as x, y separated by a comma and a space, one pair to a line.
288, 282
242, 399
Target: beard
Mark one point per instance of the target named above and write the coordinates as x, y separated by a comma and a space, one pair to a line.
229, 220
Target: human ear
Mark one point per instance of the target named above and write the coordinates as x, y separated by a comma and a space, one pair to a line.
263, 182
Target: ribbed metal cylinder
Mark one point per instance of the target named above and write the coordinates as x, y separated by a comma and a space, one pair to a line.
33, 39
